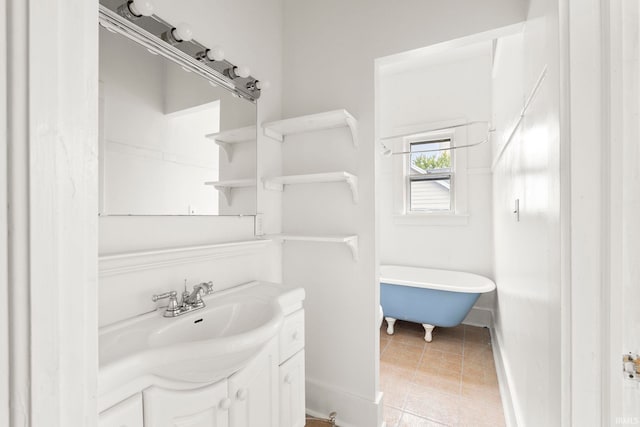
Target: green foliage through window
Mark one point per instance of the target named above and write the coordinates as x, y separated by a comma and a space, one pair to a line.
441, 161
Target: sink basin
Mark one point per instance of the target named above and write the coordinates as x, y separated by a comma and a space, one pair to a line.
220, 321
198, 347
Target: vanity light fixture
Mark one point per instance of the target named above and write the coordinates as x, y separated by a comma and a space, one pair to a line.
178, 34
135, 20
258, 85
215, 54
134, 9
237, 71
263, 84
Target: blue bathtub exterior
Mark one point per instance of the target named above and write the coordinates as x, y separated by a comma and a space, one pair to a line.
421, 305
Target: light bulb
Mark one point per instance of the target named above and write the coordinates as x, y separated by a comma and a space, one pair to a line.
263, 85
242, 71
182, 32
141, 7
215, 54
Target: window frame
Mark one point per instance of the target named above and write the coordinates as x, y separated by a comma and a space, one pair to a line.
409, 177
458, 215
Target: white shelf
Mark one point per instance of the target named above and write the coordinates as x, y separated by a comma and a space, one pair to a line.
350, 240
225, 187
226, 139
314, 122
277, 183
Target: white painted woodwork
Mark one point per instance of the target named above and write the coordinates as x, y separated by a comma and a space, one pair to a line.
127, 413
313, 122
4, 255
51, 181
225, 187
291, 335
292, 385
227, 139
254, 391
144, 260
277, 183
203, 407
232, 183
351, 240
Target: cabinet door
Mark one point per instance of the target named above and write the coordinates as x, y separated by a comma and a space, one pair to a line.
292, 398
127, 413
254, 391
203, 407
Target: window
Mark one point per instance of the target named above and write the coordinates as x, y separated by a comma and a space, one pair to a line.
430, 176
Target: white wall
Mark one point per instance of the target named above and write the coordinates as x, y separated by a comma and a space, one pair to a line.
430, 89
528, 252
330, 48
250, 33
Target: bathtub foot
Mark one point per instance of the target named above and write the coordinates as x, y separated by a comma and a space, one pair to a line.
390, 324
427, 331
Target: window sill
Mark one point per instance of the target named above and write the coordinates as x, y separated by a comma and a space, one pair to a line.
432, 219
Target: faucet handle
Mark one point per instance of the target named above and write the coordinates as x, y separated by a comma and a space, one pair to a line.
170, 294
172, 308
208, 287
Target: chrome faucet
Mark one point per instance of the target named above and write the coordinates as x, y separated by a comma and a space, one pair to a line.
194, 300
190, 301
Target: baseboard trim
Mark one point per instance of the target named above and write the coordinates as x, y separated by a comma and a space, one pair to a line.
504, 381
352, 410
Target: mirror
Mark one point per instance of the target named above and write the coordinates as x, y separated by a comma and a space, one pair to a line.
171, 143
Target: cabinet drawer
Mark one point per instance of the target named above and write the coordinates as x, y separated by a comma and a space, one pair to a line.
292, 335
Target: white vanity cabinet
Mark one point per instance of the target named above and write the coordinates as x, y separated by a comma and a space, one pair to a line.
292, 404
203, 407
248, 398
127, 413
258, 386
292, 372
254, 392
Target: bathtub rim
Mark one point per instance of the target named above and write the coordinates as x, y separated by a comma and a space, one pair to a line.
438, 279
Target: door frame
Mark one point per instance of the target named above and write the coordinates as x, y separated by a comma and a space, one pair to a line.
50, 229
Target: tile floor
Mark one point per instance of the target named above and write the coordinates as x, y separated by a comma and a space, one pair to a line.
451, 381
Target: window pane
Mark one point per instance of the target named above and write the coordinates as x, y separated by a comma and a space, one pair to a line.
424, 159
432, 194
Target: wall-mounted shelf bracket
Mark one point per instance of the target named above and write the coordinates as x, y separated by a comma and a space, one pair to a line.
351, 241
227, 139
352, 244
353, 127
227, 148
328, 120
277, 183
226, 187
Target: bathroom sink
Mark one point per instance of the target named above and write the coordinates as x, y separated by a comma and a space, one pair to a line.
198, 347
230, 319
